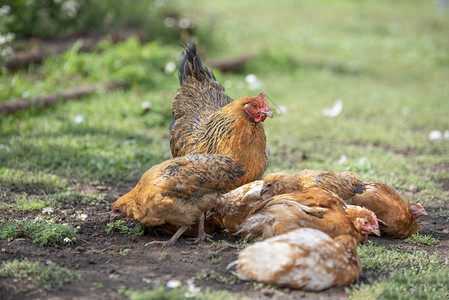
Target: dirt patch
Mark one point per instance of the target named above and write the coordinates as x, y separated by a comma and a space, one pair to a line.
106, 266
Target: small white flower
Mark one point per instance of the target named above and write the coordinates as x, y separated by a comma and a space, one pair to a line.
173, 284
146, 105
49, 262
343, 159
253, 82
79, 119
170, 67
192, 290
82, 217
185, 23
159, 3
5, 147
4, 10
250, 78
6, 38
47, 210
333, 111
67, 240
49, 221
169, 22
37, 219
435, 135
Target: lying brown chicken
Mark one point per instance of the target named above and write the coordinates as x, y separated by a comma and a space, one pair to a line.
179, 191
311, 208
305, 259
234, 206
208, 121
397, 217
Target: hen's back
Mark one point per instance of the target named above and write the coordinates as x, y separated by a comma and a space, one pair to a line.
199, 96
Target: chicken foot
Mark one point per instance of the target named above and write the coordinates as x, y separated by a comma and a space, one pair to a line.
172, 240
202, 235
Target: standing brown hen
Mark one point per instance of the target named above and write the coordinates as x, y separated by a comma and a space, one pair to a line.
207, 121
178, 192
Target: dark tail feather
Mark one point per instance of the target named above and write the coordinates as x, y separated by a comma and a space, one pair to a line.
190, 65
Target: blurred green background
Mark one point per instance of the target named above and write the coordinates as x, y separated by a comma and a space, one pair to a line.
355, 85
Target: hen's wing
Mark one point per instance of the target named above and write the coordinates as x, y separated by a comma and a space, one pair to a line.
199, 96
198, 174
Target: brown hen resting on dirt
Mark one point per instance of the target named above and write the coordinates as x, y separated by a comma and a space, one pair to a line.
179, 191
310, 208
234, 206
397, 216
207, 121
305, 259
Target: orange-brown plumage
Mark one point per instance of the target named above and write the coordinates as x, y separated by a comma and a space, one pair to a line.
310, 208
179, 191
234, 206
397, 215
207, 121
305, 259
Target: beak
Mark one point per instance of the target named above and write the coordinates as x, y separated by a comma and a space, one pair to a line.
112, 218
262, 191
376, 232
268, 113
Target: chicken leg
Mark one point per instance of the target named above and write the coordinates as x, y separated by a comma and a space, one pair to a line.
172, 240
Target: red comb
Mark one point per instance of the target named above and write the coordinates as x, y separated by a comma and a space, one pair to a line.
262, 97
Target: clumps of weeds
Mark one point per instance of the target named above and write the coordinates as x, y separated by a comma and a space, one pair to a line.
122, 227
37, 274
424, 239
42, 230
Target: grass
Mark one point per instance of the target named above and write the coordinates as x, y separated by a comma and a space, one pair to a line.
163, 293
416, 274
36, 274
60, 200
425, 239
44, 231
387, 61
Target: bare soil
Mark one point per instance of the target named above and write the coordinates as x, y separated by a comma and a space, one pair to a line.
104, 269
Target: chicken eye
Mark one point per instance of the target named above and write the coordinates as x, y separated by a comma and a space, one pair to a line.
254, 105
117, 210
269, 185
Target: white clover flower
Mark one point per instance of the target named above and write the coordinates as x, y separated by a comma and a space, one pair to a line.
343, 159
192, 290
47, 210
81, 217
173, 284
5, 147
334, 110
253, 82
170, 67
435, 135
79, 119
4, 10
70, 8
169, 22
146, 105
